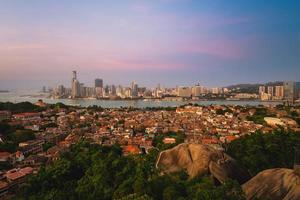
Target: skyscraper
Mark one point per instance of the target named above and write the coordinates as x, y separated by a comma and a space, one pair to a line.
289, 91
134, 89
98, 83
74, 75
184, 91
297, 90
75, 89
261, 90
279, 92
271, 91
196, 91
75, 85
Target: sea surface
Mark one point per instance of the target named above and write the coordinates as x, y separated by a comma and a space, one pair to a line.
34, 96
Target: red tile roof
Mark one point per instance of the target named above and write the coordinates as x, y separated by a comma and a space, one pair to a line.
18, 173
230, 138
4, 154
133, 149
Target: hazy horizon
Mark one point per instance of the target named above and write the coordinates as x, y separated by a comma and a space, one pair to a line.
171, 42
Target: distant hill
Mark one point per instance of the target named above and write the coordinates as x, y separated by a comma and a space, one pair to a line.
251, 88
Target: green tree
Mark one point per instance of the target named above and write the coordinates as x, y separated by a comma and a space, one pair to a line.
260, 151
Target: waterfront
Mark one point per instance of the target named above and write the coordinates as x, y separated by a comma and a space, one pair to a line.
34, 96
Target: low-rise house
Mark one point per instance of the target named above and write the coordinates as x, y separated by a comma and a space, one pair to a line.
5, 156
19, 156
18, 176
31, 146
131, 149
5, 115
4, 186
34, 160
27, 116
169, 140
273, 121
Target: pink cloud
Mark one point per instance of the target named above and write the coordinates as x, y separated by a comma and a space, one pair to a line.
224, 48
141, 7
135, 64
22, 47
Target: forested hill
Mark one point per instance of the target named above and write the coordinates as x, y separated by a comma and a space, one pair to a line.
251, 88
89, 171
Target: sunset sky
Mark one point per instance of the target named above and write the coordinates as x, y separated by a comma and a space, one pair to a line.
172, 42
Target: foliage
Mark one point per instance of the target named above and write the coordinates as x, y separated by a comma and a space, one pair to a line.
158, 140
89, 171
259, 115
5, 166
205, 190
12, 136
169, 108
5, 128
259, 151
47, 146
95, 108
21, 136
20, 107
49, 125
59, 105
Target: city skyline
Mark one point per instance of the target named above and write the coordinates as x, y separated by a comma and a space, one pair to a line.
172, 42
287, 91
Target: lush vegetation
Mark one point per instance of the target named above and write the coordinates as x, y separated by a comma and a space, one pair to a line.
90, 171
12, 136
169, 108
259, 151
222, 112
259, 115
158, 140
20, 107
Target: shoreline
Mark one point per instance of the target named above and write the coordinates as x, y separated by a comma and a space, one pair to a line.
166, 100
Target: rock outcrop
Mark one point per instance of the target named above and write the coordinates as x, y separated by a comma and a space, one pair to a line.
275, 184
197, 160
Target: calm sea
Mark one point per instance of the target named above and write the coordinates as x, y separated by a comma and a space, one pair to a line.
33, 96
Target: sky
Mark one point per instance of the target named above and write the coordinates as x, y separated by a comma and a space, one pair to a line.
171, 42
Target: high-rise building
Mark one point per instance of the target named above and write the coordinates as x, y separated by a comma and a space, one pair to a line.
119, 91
215, 90
184, 92
197, 91
75, 86
60, 90
113, 90
297, 90
271, 91
99, 92
289, 91
127, 92
98, 83
134, 89
279, 92
81, 90
261, 90
74, 77
75, 89
106, 90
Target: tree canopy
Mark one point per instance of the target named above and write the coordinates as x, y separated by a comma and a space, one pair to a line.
260, 151
89, 171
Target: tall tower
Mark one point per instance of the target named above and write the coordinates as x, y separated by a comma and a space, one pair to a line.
74, 85
99, 83
74, 76
289, 91
134, 89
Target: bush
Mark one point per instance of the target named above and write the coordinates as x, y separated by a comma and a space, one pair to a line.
259, 151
